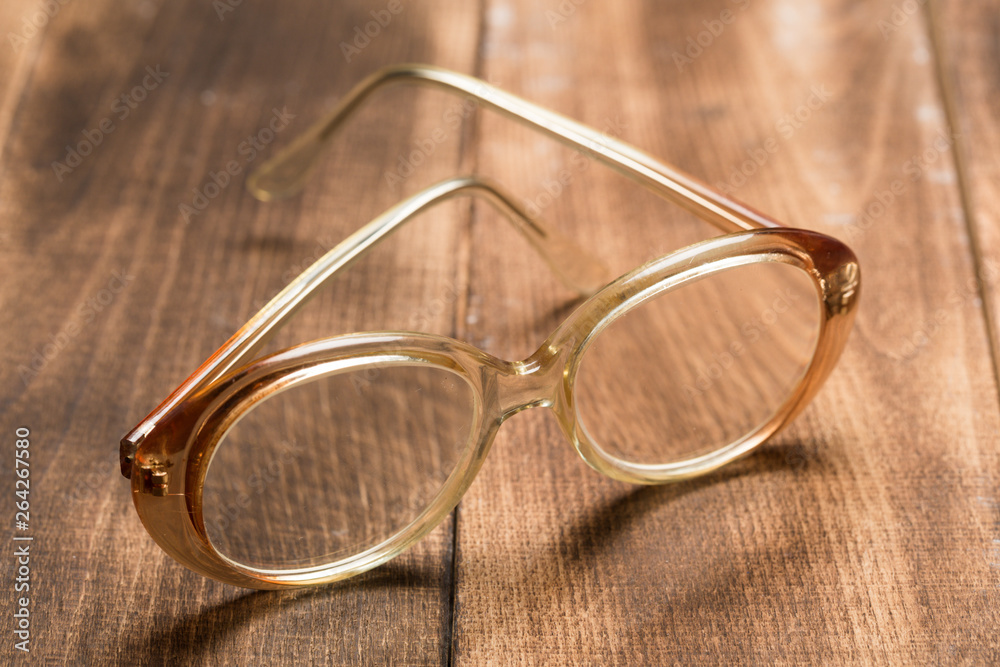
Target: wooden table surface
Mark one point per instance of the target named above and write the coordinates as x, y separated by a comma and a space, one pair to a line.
868, 532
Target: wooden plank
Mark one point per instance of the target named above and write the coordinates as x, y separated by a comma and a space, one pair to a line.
968, 39
23, 26
864, 533
168, 291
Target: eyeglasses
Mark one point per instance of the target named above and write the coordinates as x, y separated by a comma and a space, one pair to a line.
329, 458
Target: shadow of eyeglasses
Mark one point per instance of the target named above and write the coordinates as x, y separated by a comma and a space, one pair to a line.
584, 540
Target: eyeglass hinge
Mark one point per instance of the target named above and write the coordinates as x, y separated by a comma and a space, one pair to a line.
154, 480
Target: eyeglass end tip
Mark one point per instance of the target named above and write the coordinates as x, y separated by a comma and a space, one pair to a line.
126, 453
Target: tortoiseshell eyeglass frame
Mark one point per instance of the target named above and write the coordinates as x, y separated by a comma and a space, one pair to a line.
167, 455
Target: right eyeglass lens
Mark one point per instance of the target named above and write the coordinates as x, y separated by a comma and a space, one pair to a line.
334, 466
699, 367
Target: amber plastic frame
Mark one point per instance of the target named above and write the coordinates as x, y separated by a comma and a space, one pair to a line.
167, 455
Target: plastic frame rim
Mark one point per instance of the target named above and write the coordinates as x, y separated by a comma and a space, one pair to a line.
161, 454
798, 397
183, 441
312, 361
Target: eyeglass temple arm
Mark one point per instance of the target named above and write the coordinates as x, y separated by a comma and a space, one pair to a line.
284, 175
586, 275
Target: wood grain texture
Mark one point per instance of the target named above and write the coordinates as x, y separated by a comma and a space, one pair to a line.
868, 532
968, 41
103, 593
864, 533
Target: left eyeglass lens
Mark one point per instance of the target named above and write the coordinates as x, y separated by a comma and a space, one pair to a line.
332, 467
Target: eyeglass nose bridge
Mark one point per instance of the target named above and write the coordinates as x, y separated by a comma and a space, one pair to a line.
535, 382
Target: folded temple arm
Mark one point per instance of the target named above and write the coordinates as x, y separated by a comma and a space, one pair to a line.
285, 174
577, 269
573, 265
